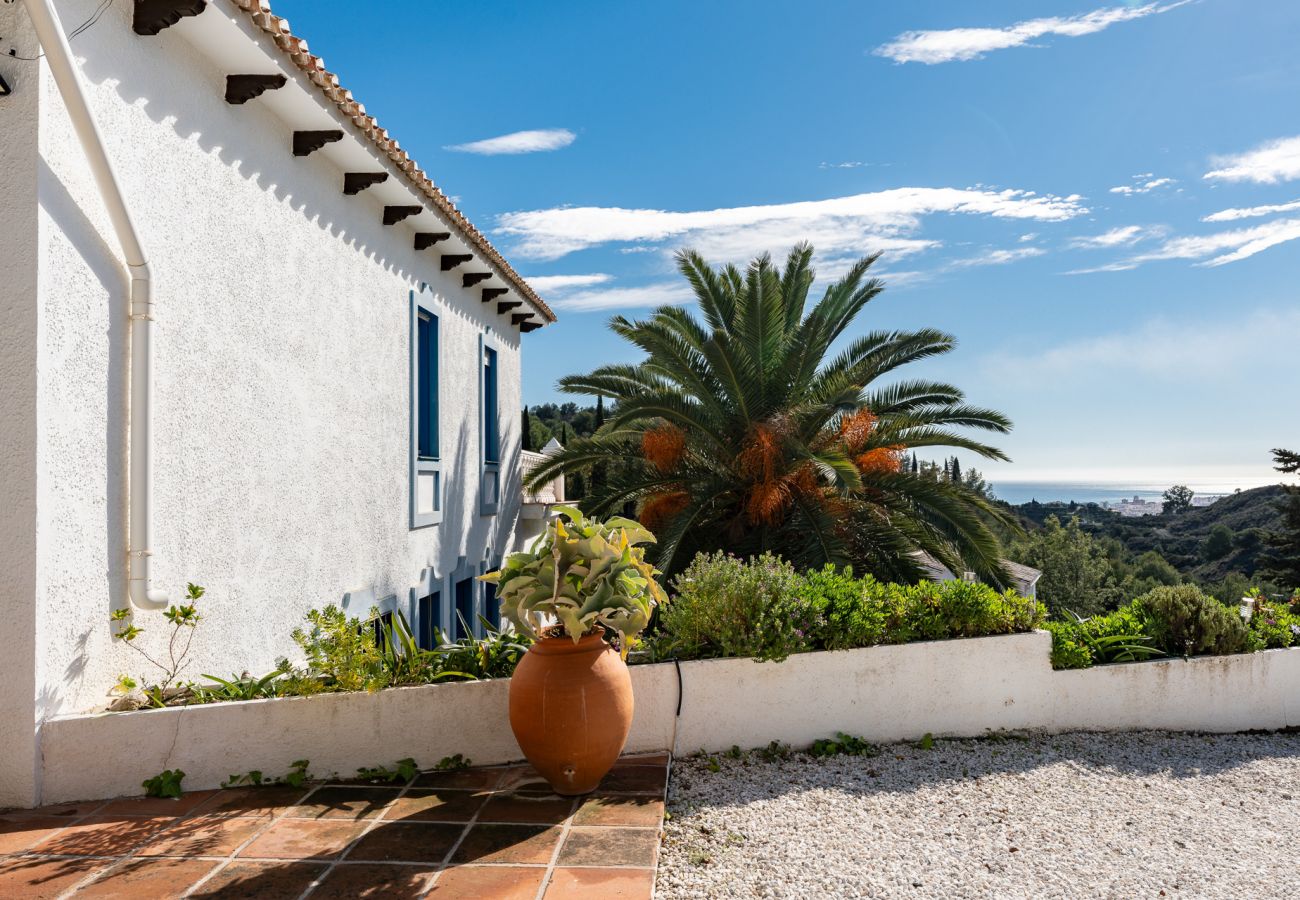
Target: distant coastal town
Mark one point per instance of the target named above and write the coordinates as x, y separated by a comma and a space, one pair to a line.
1139, 506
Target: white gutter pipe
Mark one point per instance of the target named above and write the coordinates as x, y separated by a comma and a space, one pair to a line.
49, 30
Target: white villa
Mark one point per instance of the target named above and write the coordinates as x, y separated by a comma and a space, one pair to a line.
244, 342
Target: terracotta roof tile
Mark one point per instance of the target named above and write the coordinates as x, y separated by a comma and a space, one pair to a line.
259, 11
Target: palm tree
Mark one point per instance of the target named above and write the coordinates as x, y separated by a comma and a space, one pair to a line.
738, 433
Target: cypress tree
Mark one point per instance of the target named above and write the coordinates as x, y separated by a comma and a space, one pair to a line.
526, 441
916, 464
956, 469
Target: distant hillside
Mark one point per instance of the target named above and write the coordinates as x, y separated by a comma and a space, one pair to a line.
1181, 538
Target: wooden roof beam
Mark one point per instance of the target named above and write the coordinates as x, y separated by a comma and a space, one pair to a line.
242, 88
530, 326
490, 294
152, 16
395, 214
508, 305
305, 143
520, 318
452, 260
356, 182
472, 278
426, 239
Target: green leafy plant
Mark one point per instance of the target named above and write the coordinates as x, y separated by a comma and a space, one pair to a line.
851, 618
340, 650
166, 783
494, 655
252, 779
297, 775
726, 606
1184, 621
238, 687
1119, 636
403, 770
183, 618
584, 574
843, 745
453, 763
926, 742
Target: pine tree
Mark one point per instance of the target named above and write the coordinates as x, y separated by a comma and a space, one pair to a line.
526, 426
956, 470
947, 470
916, 464
1282, 561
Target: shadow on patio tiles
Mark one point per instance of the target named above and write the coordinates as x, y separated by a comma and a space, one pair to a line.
374, 880
497, 882
257, 880
343, 802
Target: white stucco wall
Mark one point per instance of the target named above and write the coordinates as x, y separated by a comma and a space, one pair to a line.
18, 413
961, 688
282, 375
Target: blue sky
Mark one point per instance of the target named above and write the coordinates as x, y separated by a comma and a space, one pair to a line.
1092, 197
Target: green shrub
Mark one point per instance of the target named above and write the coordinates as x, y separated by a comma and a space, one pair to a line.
1119, 636
730, 607
933, 611
850, 617
1273, 625
1068, 649
1184, 621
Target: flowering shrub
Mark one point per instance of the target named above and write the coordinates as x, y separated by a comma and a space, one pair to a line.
764, 609
728, 607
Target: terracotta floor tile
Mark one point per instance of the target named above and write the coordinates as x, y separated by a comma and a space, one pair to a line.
530, 844
374, 881
467, 779
63, 810
156, 806
524, 778
19, 832
609, 847
635, 779
599, 884
138, 879
643, 759
260, 881
103, 835
622, 810
407, 842
435, 805
32, 878
341, 802
303, 839
252, 801
203, 836
497, 882
524, 808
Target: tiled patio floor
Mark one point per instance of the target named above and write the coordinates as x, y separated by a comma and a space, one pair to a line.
476, 833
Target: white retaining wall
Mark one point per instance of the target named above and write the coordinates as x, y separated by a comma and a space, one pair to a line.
960, 688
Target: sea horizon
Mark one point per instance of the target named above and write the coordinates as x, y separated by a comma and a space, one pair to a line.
1086, 491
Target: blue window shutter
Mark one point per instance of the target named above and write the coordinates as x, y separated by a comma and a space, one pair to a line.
491, 437
427, 392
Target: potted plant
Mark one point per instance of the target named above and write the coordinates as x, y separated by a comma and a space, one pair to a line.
582, 584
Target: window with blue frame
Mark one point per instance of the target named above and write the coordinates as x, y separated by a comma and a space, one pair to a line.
427, 385
428, 614
426, 466
491, 609
463, 627
491, 425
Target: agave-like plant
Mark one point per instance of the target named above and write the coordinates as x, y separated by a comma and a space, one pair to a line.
581, 573
740, 430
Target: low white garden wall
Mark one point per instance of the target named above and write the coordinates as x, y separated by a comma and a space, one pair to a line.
960, 688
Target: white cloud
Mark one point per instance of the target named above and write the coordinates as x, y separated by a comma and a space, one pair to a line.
961, 44
884, 220
1116, 237
674, 293
1215, 249
996, 257
1250, 212
851, 164
559, 284
519, 142
1268, 163
1142, 187
1025, 238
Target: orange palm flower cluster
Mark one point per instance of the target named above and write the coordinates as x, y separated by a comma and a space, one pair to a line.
664, 446
660, 509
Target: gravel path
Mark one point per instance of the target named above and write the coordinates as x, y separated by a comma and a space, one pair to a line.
1078, 815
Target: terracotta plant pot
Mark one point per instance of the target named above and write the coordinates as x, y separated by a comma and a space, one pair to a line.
571, 710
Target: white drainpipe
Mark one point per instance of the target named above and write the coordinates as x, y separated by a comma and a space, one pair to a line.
49, 30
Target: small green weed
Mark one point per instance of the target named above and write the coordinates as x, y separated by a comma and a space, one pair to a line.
843, 745
166, 783
452, 763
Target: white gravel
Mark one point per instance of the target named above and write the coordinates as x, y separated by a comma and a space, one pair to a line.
1078, 815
